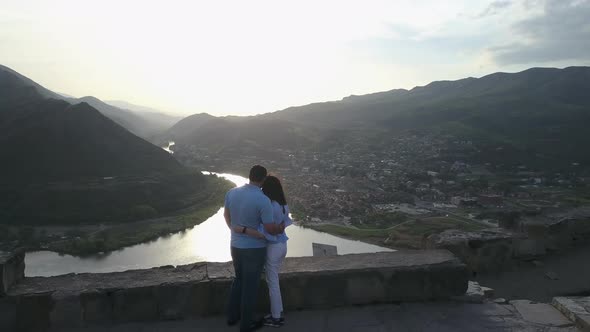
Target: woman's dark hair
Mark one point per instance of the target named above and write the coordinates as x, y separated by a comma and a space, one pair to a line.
272, 188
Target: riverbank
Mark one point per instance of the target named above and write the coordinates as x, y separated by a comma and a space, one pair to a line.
405, 235
89, 239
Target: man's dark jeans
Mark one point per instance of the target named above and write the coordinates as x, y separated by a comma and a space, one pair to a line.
248, 264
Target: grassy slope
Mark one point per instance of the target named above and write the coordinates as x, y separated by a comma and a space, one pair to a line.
405, 235
124, 235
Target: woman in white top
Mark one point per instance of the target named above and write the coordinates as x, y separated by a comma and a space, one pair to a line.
276, 248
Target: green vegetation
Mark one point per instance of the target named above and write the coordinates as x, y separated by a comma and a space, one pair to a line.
351, 232
581, 198
22, 236
126, 234
67, 164
409, 234
382, 220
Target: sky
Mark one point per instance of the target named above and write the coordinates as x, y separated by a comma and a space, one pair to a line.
250, 57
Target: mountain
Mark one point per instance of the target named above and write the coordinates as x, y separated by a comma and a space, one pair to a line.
539, 112
151, 115
145, 125
241, 134
69, 163
137, 108
12, 79
556, 86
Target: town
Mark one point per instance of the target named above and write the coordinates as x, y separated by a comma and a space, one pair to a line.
419, 183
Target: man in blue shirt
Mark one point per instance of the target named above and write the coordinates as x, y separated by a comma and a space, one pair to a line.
247, 206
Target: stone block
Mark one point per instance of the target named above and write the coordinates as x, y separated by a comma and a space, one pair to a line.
369, 287
220, 270
172, 299
198, 300
292, 291
445, 280
475, 293
97, 307
33, 312
202, 290
482, 251
569, 306
135, 304
320, 249
577, 309
529, 248
324, 290
67, 311
407, 285
12, 269
7, 314
583, 321
540, 313
208, 298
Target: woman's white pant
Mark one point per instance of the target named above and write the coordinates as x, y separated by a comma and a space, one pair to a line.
275, 255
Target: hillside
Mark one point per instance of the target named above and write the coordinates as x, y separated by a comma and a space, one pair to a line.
143, 122
144, 125
69, 163
539, 113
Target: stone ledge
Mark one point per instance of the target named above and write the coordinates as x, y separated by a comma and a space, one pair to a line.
201, 289
540, 313
12, 269
482, 251
576, 309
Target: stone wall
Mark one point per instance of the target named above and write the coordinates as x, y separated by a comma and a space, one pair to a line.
12, 269
482, 251
201, 289
496, 249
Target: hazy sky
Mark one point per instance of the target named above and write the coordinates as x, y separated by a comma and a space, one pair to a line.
246, 57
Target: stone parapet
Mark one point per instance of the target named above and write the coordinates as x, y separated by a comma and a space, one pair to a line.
496, 249
482, 251
197, 290
12, 269
576, 308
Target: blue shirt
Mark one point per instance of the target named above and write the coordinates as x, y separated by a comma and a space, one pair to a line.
249, 207
278, 216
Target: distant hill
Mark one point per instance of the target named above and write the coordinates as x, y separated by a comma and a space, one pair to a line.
159, 120
139, 109
70, 163
146, 124
537, 112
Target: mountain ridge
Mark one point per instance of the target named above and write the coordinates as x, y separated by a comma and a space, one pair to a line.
145, 125
64, 163
520, 109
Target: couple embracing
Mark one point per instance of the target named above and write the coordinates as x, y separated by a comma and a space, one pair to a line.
257, 214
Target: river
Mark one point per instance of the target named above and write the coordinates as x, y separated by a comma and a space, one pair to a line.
169, 147
208, 241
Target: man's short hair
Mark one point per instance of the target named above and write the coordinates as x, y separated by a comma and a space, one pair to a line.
257, 173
